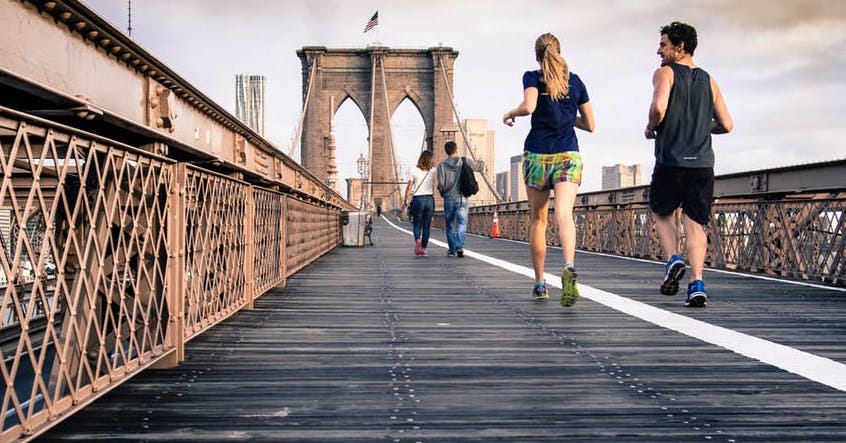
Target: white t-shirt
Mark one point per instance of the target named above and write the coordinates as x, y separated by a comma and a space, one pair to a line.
425, 180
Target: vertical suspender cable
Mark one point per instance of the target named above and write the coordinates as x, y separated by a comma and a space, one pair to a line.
377, 60
394, 163
296, 142
461, 127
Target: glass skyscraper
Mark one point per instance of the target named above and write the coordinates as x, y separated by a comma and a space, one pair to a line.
249, 100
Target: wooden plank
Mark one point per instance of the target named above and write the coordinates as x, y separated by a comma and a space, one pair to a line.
375, 344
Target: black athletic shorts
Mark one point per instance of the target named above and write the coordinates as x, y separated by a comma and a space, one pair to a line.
692, 189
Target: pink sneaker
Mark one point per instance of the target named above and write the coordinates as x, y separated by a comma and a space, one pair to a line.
423, 253
417, 249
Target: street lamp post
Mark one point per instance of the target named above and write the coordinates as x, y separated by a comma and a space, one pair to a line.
448, 131
363, 165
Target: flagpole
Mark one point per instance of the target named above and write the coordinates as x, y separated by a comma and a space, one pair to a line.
374, 23
379, 32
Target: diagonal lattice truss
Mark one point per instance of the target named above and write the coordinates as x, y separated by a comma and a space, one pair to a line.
269, 241
216, 208
83, 262
800, 238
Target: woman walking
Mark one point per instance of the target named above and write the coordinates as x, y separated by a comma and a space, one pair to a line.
558, 102
420, 190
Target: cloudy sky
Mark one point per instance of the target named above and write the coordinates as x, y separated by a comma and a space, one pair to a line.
780, 65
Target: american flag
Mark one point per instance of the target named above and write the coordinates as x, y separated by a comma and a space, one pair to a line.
372, 22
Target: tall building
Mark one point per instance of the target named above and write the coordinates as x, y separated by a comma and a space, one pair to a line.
249, 101
620, 176
503, 185
518, 190
483, 141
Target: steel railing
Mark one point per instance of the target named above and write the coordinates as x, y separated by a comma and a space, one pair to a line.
112, 258
798, 234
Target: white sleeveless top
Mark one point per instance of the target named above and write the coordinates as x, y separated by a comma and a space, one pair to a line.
423, 182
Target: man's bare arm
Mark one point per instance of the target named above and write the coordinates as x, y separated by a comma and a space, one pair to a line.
662, 83
722, 120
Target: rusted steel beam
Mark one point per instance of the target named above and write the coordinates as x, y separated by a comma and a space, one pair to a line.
775, 183
67, 63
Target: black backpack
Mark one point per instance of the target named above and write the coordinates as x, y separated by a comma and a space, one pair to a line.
467, 179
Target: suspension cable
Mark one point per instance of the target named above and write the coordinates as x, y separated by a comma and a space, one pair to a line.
296, 142
394, 163
370, 134
462, 129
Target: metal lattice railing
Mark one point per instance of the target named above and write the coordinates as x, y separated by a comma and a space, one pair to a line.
803, 237
84, 260
215, 210
308, 226
269, 241
111, 258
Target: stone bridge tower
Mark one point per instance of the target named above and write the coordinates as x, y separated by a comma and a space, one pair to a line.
377, 79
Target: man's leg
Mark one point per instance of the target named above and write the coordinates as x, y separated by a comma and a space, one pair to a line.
461, 216
666, 226
696, 242
697, 209
450, 208
666, 196
667, 229
697, 245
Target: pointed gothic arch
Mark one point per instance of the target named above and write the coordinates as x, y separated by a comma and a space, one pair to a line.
377, 79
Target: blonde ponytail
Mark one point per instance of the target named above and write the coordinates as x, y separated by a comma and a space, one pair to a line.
556, 73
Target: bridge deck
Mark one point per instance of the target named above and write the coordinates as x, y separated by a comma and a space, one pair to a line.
375, 344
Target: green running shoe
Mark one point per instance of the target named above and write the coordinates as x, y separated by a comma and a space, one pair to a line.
569, 291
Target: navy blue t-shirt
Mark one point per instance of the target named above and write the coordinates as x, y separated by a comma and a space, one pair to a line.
552, 122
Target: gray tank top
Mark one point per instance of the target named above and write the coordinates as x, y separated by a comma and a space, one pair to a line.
684, 136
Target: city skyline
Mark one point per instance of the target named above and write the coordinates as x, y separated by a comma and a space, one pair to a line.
777, 62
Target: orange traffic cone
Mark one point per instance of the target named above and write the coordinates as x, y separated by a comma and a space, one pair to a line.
495, 225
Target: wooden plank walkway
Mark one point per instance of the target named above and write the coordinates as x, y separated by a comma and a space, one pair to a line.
374, 344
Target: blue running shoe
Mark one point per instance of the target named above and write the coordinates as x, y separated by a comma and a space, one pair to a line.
674, 271
696, 296
539, 292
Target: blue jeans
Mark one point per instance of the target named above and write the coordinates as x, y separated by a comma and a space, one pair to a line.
422, 211
455, 217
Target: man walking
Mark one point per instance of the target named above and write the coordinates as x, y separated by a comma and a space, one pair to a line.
687, 107
456, 205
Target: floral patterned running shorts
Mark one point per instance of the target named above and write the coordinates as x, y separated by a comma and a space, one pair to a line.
543, 171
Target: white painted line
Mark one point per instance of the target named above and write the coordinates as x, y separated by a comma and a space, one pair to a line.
719, 271
805, 364
810, 366
724, 271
